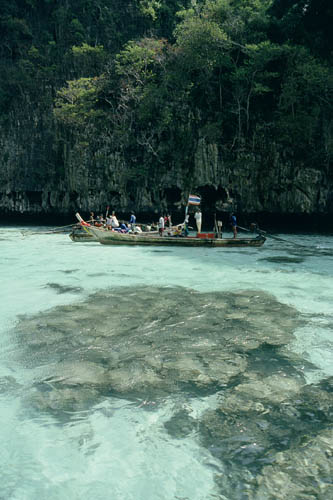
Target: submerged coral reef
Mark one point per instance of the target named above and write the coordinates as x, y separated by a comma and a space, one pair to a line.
271, 431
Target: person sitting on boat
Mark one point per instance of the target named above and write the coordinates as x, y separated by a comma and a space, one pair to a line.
178, 230
99, 220
92, 219
161, 225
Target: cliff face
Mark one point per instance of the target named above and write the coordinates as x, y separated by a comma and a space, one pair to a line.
96, 112
39, 176
264, 182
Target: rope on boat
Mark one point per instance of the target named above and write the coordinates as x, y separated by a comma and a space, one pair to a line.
59, 229
260, 231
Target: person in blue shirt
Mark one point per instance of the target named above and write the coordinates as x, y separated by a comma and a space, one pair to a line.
132, 219
233, 222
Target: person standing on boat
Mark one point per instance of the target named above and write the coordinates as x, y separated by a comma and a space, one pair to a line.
161, 225
233, 222
219, 228
108, 222
114, 221
132, 219
186, 223
198, 219
132, 222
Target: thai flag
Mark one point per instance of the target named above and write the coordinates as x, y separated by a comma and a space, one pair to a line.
194, 200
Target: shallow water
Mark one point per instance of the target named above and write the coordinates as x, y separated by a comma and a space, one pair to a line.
176, 373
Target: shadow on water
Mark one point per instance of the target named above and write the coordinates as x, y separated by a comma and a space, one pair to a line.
160, 251
68, 271
57, 287
283, 259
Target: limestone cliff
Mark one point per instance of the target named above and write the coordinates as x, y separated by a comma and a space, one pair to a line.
40, 175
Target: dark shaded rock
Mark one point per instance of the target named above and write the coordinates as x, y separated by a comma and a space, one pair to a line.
181, 424
62, 399
162, 340
299, 473
149, 343
266, 424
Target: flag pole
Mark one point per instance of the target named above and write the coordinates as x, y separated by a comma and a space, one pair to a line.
186, 207
186, 220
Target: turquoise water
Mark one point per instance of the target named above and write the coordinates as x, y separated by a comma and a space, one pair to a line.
162, 373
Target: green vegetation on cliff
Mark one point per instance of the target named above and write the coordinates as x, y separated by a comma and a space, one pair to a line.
119, 96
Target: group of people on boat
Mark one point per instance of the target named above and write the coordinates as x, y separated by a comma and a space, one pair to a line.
164, 225
111, 222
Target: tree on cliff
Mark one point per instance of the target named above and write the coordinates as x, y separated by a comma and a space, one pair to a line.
148, 82
222, 79
305, 22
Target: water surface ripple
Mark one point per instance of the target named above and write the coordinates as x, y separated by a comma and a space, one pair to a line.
132, 373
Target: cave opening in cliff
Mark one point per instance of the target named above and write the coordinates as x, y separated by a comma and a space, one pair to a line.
73, 196
34, 197
172, 195
211, 196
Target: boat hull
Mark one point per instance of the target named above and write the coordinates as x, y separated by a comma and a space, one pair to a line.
81, 235
114, 238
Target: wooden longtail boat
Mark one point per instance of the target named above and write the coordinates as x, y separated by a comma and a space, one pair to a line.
203, 239
79, 234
